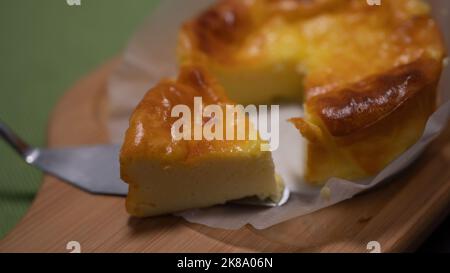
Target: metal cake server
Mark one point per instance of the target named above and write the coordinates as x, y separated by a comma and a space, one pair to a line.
94, 169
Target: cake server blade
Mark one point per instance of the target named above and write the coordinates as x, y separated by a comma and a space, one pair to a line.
94, 169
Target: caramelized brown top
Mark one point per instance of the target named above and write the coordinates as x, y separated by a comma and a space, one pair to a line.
220, 30
222, 26
361, 62
364, 103
149, 134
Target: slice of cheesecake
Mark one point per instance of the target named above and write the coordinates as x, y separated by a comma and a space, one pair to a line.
166, 175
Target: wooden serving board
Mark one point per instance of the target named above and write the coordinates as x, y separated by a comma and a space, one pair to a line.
399, 215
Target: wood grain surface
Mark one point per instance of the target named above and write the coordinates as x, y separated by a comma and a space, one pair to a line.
399, 215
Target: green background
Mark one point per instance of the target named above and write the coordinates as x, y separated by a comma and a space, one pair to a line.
46, 45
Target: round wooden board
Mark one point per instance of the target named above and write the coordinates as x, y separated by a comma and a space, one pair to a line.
398, 216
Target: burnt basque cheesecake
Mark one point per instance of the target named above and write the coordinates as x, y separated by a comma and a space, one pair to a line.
167, 175
365, 75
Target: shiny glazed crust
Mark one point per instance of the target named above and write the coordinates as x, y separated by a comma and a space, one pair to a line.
149, 135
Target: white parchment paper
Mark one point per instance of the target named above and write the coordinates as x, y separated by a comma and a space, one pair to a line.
150, 56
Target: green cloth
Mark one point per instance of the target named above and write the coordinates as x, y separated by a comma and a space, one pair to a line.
46, 46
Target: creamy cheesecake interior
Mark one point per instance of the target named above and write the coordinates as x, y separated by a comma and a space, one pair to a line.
157, 189
166, 175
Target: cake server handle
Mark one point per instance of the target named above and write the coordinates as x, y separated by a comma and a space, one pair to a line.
17, 143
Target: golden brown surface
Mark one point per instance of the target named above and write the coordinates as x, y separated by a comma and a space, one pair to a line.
337, 41
149, 134
361, 105
368, 73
